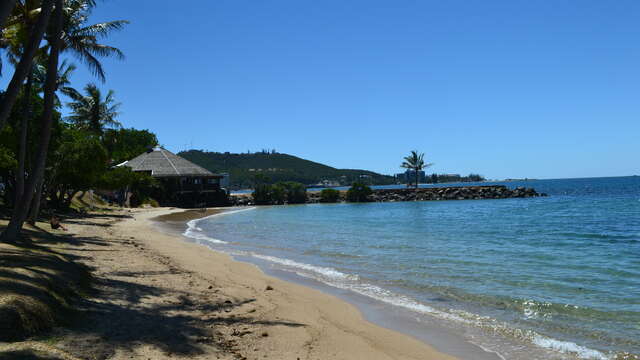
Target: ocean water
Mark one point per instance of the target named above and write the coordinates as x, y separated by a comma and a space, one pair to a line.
552, 277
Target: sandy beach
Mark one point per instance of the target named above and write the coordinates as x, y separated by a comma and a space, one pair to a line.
160, 297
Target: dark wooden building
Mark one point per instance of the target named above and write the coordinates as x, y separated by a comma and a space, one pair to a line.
184, 183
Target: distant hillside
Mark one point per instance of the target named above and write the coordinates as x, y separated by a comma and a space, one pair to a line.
277, 167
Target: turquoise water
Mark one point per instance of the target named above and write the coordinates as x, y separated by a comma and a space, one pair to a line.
560, 273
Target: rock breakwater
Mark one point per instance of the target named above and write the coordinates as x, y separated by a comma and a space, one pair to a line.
424, 194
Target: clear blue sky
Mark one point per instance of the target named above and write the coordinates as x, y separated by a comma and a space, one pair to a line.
540, 89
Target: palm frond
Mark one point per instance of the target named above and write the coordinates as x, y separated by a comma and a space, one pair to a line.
101, 30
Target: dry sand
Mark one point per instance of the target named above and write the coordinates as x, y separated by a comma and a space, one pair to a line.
160, 297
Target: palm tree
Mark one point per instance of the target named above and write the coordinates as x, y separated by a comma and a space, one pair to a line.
415, 162
92, 112
12, 231
82, 40
23, 66
65, 70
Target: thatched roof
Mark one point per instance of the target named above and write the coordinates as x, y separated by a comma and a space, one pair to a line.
162, 163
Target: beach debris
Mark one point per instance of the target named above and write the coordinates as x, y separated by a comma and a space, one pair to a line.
264, 334
269, 287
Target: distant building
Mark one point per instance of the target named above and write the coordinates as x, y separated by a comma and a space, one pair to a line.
184, 183
409, 176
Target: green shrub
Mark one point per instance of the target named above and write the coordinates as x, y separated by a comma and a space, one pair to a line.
296, 192
262, 194
358, 192
278, 194
329, 195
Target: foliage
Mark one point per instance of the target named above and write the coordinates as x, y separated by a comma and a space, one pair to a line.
82, 39
296, 193
280, 193
358, 192
243, 168
262, 194
415, 162
10, 142
92, 112
329, 195
141, 185
449, 178
77, 165
125, 144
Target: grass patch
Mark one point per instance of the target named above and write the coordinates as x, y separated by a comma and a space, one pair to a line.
37, 289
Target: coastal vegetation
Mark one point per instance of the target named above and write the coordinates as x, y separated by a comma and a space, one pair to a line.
415, 163
243, 168
358, 192
329, 195
47, 159
288, 192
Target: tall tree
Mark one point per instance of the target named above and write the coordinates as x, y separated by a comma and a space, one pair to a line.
24, 65
92, 112
415, 162
64, 79
12, 232
82, 41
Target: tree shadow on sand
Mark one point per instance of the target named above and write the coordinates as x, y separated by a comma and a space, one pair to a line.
182, 325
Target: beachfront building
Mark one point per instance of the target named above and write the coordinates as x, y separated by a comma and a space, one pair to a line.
409, 177
184, 183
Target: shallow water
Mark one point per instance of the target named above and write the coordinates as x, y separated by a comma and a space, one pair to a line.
558, 273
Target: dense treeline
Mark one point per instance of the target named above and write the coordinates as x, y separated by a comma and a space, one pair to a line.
448, 178
278, 167
45, 158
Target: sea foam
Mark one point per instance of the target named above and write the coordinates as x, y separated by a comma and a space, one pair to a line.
195, 232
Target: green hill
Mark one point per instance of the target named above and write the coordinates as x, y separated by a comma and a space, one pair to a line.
242, 168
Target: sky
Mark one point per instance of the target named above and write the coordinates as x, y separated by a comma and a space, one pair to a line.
504, 88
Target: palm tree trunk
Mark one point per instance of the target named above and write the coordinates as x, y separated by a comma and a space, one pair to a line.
5, 10
24, 66
22, 152
34, 211
12, 232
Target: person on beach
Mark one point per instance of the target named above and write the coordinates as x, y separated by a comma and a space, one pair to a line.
56, 224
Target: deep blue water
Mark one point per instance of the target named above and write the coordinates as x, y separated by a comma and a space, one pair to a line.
559, 272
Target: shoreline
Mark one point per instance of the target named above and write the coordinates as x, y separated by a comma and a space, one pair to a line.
376, 312
330, 322
411, 322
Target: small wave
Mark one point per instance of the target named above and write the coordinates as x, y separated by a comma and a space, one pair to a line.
335, 278
324, 272
567, 347
195, 232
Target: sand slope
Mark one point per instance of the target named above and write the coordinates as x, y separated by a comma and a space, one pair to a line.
160, 297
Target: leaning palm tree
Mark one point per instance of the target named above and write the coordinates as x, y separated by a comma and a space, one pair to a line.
20, 210
415, 162
92, 112
24, 65
68, 32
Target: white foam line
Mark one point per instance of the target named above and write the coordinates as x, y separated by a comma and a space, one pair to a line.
569, 348
195, 232
335, 278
